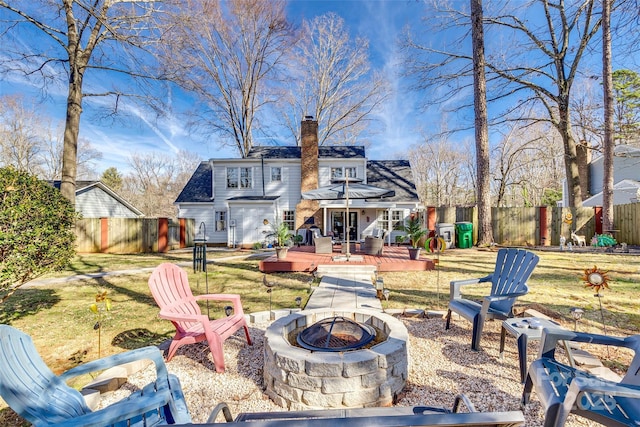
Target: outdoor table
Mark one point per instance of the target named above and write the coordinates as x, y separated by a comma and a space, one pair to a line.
525, 329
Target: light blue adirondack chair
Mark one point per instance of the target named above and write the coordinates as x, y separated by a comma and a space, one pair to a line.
44, 399
508, 282
563, 389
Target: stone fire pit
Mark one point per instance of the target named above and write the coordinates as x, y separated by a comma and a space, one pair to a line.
299, 379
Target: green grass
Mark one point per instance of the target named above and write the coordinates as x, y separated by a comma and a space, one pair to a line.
58, 317
555, 286
95, 263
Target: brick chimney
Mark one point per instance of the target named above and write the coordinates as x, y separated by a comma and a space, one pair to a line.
308, 174
309, 155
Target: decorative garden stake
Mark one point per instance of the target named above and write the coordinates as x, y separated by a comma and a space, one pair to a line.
269, 286
597, 279
576, 313
100, 308
440, 246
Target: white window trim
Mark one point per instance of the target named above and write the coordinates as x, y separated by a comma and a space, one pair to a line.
239, 178
271, 173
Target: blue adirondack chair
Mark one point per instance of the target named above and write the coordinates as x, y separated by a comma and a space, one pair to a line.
42, 398
563, 389
508, 282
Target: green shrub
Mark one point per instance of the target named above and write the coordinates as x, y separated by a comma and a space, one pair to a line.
36, 234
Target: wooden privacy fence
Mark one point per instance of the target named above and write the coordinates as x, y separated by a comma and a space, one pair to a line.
537, 226
133, 235
543, 226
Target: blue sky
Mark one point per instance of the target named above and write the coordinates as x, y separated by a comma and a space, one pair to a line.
381, 21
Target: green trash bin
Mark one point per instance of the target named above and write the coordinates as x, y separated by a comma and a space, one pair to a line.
464, 234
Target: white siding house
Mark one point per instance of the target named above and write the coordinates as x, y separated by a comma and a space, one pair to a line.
237, 200
626, 177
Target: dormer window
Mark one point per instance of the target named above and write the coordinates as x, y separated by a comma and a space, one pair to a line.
239, 177
343, 172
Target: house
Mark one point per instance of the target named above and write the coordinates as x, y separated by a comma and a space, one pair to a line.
626, 177
96, 200
236, 201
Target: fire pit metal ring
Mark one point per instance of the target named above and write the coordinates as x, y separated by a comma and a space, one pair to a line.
336, 334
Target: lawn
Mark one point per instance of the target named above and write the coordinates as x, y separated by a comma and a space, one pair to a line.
58, 317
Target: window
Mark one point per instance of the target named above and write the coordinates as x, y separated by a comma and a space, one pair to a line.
396, 219
289, 218
221, 220
349, 172
276, 174
232, 178
239, 177
246, 176
383, 219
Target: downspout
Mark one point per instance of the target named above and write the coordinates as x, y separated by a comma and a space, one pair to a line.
262, 167
389, 225
213, 199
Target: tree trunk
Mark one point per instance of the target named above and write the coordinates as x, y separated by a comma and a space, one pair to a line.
570, 157
70, 147
485, 231
607, 87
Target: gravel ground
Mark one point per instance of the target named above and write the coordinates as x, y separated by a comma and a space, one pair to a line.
441, 365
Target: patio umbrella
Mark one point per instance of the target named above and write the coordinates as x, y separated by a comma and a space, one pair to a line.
347, 188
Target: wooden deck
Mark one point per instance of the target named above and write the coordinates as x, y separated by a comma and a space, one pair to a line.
304, 258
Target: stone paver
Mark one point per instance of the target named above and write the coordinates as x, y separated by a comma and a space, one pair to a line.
345, 288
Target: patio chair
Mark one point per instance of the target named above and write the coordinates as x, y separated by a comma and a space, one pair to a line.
44, 399
169, 286
563, 389
323, 245
373, 245
508, 282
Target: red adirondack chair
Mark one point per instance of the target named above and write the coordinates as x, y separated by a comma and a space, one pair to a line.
169, 285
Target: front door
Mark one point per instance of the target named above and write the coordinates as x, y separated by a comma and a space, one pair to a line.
337, 225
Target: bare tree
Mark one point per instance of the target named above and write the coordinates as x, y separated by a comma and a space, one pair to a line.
227, 57
28, 143
586, 113
53, 153
74, 38
532, 63
21, 139
330, 78
156, 180
607, 87
485, 229
526, 166
439, 178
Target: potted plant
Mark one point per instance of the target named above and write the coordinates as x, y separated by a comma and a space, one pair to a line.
414, 232
282, 234
297, 239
